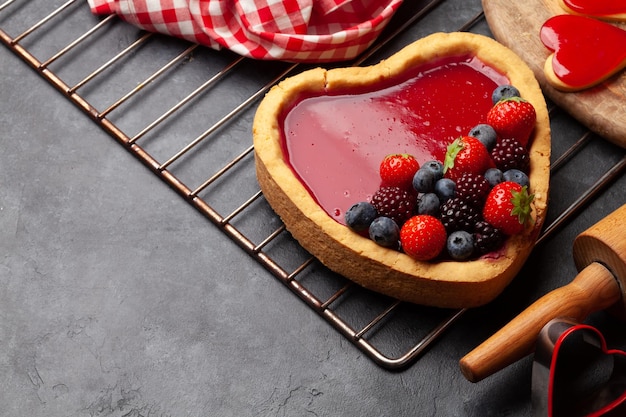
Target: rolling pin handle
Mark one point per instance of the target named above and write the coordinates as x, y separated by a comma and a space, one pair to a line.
594, 289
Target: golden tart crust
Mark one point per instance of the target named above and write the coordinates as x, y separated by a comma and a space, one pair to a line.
443, 283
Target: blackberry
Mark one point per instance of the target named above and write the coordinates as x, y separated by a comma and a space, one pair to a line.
395, 203
487, 238
458, 214
509, 153
473, 188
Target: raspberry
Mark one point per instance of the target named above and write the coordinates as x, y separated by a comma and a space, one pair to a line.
510, 154
395, 203
487, 238
457, 214
473, 188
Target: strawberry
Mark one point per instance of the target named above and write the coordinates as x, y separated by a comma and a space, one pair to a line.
513, 117
423, 237
466, 154
508, 207
397, 170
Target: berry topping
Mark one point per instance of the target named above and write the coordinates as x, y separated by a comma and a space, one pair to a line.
508, 207
360, 216
428, 204
494, 176
385, 232
435, 166
466, 154
485, 134
395, 203
467, 204
503, 92
473, 188
423, 237
460, 245
426, 177
516, 176
487, 238
397, 170
510, 154
458, 214
424, 181
445, 189
513, 117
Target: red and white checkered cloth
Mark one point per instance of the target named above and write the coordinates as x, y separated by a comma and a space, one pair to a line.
290, 30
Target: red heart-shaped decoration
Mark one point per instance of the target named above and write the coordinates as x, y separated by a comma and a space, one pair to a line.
575, 374
609, 10
586, 51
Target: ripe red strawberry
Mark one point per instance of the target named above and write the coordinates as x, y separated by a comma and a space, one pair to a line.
513, 117
423, 237
508, 207
466, 154
397, 170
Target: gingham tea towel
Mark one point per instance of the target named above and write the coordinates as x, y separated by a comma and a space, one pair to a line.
289, 30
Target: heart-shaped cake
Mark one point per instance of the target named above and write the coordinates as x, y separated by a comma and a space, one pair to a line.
319, 138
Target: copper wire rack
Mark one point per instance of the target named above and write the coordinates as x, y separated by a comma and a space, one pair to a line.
164, 101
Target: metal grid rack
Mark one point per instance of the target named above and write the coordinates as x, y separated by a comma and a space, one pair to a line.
146, 115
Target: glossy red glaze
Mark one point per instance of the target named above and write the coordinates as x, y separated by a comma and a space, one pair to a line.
586, 50
335, 143
596, 7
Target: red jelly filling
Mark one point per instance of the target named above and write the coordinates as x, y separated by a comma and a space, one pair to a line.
597, 7
585, 50
335, 143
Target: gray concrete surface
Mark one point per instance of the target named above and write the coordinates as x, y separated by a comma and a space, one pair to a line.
119, 299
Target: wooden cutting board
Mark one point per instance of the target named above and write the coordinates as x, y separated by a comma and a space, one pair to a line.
516, 24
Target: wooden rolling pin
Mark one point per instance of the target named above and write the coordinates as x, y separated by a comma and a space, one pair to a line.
600, 258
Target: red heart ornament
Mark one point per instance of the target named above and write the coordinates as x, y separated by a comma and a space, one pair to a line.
575, 374
608, 10
586, 51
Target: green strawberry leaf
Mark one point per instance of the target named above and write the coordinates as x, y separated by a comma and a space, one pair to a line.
451, 152
521, 204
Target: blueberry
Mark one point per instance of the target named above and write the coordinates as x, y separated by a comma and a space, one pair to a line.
494, 176
504, 91
360, 216
385, 232
435, 166
517, 176
424, 180
428, 204
485, 134
445, 189
460, 245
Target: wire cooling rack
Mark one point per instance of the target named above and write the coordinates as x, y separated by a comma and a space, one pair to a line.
186, 112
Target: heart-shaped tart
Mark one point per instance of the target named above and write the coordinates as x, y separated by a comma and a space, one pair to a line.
586, 51
341, 122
